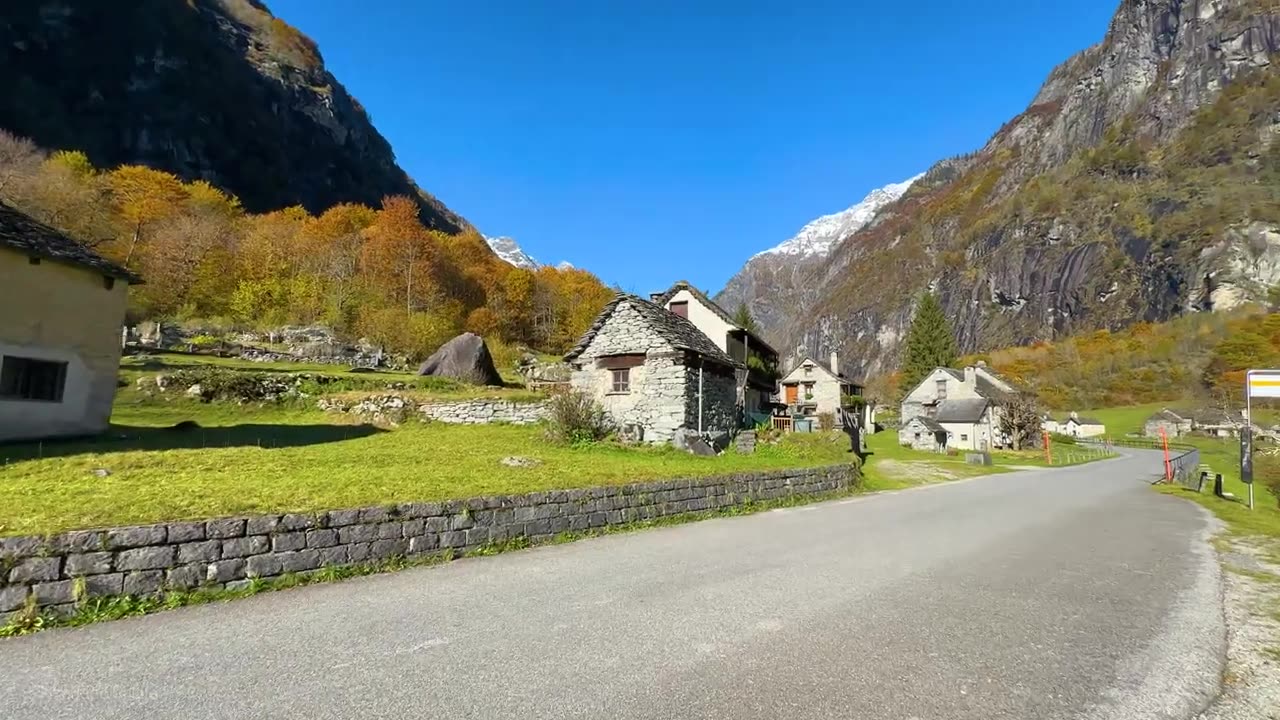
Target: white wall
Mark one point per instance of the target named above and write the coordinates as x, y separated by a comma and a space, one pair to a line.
705, 319
968, 436
84, 410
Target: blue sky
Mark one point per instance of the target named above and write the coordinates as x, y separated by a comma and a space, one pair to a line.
654, 141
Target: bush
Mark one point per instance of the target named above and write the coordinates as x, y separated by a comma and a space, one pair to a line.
575, 417
826, 421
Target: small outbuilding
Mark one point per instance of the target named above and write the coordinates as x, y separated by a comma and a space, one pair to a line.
923, 433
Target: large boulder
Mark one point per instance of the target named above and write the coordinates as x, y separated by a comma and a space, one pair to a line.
464, 358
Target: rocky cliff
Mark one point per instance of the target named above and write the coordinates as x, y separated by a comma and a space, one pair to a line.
212, 89
1142, 182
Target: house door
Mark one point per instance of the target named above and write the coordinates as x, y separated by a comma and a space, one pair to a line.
792, 394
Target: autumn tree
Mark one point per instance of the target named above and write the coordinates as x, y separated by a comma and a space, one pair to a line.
930, 343
142, 197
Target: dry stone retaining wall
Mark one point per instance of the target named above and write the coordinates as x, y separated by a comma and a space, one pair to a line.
59, 570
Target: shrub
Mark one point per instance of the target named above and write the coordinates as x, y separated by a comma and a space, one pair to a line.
826, 421
575, 417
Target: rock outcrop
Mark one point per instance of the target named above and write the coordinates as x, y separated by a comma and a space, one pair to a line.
218, 90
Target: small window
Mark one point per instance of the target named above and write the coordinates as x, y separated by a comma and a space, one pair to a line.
964, 438
621, 380
808, 369
33, 260
942, 389
108, 282
30, 379
680, 308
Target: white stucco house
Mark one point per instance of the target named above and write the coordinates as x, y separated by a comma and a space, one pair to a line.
655, 373
813, 388
1074, 425
62, 308
757, 377
966, 403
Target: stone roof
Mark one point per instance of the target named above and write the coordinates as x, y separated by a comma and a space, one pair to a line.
928, 422
1084, 420
677, 331
26, 235
679, 285
1168, 416
961, 411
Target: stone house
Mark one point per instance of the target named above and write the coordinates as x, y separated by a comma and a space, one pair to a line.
813, 389
757, 378
60, 331
1213, 422
1168, 423
966, 402
923, 433
655, 373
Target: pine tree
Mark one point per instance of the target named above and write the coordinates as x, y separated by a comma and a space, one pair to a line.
743, 319
930, 343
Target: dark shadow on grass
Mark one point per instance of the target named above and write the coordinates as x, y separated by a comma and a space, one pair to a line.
125, 438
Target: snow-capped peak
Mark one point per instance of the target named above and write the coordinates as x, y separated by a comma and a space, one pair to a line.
507, 249
821, 235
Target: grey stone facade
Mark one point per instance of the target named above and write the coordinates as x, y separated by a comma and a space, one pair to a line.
60, 570
663, 397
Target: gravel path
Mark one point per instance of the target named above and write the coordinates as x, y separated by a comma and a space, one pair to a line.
1072, 593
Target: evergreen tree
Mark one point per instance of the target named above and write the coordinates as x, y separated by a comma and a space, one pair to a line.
742, 318
930, 343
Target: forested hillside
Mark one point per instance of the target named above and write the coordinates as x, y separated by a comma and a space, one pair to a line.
375, 272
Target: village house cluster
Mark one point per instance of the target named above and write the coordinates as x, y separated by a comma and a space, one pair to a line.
676, 366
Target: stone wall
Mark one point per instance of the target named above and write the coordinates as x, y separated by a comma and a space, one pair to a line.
59, 570
476, 412
395, 408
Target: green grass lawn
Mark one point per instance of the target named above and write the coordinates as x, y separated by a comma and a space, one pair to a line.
246, 459
1121, 421
1223, 456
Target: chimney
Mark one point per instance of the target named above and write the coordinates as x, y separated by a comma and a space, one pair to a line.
970, 375
1075, 415
655, 297
835, 362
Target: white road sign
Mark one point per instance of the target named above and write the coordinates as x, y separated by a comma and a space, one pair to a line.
1263, 383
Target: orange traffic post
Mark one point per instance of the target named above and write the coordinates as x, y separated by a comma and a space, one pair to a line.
1168, 466
1048, 454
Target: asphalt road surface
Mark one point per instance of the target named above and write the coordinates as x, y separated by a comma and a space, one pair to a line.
1073, 593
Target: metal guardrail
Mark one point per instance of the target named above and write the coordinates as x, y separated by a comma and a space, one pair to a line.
1184, 460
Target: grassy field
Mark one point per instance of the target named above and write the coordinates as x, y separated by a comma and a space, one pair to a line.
245, 459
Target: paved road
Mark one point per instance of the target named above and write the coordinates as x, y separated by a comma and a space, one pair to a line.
1042, 594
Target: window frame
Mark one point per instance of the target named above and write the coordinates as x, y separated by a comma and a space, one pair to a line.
17, 370
941, 389
620, 381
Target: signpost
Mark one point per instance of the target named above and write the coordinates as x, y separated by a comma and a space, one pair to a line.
1257, 384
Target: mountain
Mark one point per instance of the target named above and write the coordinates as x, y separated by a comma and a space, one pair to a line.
1141, 183
821, 235
511, 253
219, 90
774, 280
